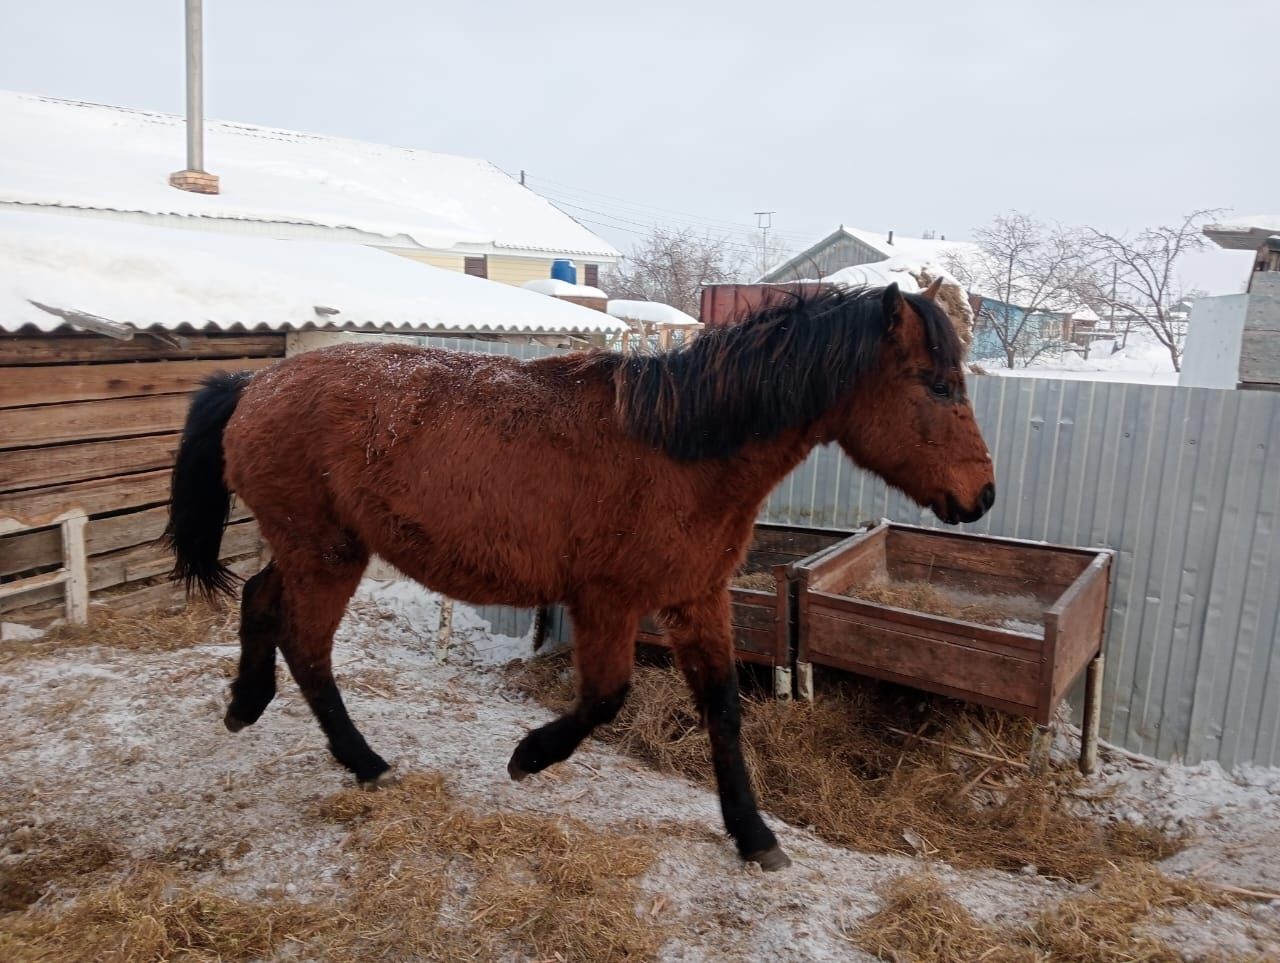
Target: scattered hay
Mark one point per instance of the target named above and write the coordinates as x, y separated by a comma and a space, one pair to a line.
1110, 921
432, 880
152, 915
758, 581
836, 766
156, 631
558, 889
922, 596
920, 923
36, 858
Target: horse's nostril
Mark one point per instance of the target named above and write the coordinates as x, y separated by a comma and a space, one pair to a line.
988, 497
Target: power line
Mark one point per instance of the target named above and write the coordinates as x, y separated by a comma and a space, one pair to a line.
570, 194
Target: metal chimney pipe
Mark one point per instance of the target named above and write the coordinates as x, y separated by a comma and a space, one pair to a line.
195, 87
195, 178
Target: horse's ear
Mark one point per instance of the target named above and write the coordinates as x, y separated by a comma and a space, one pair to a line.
931, 292
891, 302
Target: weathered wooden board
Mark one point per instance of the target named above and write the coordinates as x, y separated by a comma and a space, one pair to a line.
977, 556
42, 385
84, 420
21, 553
79, 348
61, 464
91, 497
835, 637
1076, 626
142, 562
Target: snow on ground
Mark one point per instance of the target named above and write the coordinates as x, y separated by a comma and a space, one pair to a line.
132, 743
1144, 361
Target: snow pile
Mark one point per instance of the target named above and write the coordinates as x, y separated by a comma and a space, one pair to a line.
563, 289
1143, 361
650, 312
406, 615
279, 176
164, 277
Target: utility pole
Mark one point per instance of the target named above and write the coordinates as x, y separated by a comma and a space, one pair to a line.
764, 221
195, 178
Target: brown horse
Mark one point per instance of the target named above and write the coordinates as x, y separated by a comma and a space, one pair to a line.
616, 485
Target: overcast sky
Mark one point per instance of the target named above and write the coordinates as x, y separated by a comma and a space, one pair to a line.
904, 116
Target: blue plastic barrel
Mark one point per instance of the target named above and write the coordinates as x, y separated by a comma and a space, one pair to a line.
564, 270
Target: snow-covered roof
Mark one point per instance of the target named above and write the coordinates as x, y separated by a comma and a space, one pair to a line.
1245, 232
113, 159
651, 312
916, 250
155, 277
563, 289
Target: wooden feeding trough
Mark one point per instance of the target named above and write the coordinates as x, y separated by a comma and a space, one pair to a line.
996, 621
761, 594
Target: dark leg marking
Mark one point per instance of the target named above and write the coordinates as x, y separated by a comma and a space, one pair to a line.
261, 625
703, 644
604, 649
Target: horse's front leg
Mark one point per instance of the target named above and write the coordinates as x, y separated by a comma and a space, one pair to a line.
702, 637
604, 645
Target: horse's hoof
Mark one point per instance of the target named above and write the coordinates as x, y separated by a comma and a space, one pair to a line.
771, 859
384, 780
515, 772
232, 723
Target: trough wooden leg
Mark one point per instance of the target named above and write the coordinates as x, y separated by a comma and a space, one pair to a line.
804, 680
1092, 715
782, 683
1040, 742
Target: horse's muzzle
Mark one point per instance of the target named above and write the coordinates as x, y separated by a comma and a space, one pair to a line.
953, 513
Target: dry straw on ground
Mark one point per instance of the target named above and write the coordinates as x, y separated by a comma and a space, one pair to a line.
195, 624
431, 880
837, 766
1113, 920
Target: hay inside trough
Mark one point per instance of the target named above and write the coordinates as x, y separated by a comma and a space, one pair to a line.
757, 581
835, 766
998, 611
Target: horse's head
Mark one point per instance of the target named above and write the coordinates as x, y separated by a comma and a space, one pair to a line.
910, 420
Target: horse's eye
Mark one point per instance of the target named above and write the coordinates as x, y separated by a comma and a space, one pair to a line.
941, 389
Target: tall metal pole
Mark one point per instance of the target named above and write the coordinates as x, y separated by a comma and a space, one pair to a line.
195, 87
194, 177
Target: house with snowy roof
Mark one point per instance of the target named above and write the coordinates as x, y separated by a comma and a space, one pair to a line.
848, 247
458, 213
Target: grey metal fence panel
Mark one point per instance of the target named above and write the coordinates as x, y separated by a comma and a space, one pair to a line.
1184, 484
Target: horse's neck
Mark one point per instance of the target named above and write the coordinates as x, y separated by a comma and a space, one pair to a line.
750, 475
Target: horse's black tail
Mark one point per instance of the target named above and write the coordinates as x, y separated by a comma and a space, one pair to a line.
199, 500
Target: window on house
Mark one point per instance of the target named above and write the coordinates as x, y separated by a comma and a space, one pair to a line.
477, 267
591, 275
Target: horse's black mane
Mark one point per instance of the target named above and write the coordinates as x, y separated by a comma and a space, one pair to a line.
783, 366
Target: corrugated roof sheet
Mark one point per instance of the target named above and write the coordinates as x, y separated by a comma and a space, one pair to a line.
152, 277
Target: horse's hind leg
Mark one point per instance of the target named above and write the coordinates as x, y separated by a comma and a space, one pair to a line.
316, 591
702, 638
604, 645
261, 626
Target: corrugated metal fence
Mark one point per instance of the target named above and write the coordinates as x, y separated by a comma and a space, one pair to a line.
1184, 483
